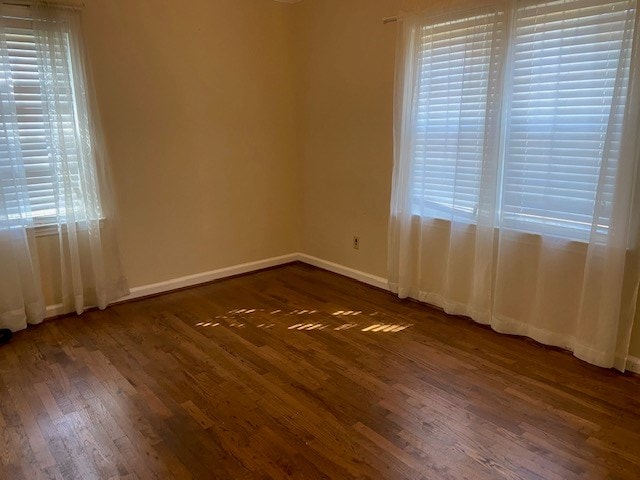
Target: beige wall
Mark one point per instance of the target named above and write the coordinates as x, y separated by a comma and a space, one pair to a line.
345, 66
198, 112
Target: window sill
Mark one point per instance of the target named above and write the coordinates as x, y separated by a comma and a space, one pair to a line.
45, 230
522, 234
51, 229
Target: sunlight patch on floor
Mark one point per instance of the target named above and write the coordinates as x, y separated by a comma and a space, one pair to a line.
242, 317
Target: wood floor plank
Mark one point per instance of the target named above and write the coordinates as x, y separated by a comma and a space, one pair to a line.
298, 373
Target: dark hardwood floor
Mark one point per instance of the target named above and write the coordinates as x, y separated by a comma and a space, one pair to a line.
295, 372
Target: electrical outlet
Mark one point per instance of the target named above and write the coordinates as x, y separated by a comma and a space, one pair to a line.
356, 243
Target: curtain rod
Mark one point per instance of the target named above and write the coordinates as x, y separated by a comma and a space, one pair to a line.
386, 20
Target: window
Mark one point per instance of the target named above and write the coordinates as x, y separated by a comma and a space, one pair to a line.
455, 68
560, 97
43, 137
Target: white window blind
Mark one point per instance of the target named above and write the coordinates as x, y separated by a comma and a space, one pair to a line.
561, 94
456, 74
31, 191
566, 62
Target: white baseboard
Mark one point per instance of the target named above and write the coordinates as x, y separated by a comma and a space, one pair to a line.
363, 277
633, 364
190, 280
204, 277
54, 310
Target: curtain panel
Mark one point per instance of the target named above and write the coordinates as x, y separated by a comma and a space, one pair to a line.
515, 184
53, 167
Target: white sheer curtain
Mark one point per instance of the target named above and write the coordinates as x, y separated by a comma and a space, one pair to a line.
53, 165
515, 170
20, 292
